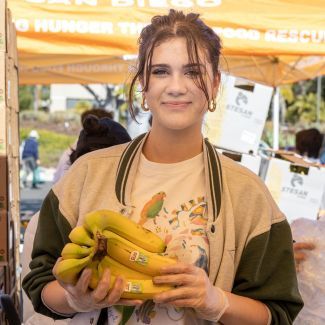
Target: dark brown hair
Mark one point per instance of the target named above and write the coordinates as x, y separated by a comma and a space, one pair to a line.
309, 142
176, 24
98, 133
100, 113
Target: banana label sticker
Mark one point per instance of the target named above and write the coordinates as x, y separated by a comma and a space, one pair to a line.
134, 287
139, 258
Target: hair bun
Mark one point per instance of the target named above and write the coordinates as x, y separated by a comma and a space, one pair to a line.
93, 126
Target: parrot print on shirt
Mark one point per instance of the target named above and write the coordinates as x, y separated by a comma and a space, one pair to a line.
152, 208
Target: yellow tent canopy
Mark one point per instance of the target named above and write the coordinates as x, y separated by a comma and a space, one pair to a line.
83, 41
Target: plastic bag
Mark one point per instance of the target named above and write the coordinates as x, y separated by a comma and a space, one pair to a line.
311, 275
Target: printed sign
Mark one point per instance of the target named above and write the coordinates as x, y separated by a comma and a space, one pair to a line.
238, 122
299, 195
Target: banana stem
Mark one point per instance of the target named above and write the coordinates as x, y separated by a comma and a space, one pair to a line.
101, 247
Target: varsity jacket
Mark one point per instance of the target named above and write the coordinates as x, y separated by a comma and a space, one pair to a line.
250, 240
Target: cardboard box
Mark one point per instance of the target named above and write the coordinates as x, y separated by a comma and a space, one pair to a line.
5, 267
8, 247
292, 157
296, 189
252, 162
238, 122
3, 132
3, 26
11, 39
4, 240
9, 266
3, 108
12, 85
2, 278
4, 199
14, 134
12, 279
12, 242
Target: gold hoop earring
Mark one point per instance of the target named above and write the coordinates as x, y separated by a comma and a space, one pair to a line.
143, 105
212, 105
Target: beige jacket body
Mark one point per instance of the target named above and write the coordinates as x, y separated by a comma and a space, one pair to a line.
249, 238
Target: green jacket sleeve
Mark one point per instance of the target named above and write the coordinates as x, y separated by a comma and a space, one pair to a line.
267, 273
51, 236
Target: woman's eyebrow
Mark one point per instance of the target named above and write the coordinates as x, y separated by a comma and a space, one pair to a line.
160, 65
195, 65
189, 65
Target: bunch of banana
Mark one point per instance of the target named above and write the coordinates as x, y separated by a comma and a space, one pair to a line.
108, 239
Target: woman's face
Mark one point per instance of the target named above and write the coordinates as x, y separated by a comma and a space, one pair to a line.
174, 99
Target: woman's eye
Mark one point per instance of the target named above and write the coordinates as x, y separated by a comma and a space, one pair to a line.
193, 73
159, 72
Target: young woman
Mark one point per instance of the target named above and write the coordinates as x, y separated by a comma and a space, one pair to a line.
233, 244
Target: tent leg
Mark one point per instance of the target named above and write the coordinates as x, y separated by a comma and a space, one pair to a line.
276, 118
319, 94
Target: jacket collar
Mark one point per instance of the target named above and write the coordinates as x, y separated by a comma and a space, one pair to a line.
128, 165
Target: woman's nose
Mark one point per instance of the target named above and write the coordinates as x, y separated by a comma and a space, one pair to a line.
176, 85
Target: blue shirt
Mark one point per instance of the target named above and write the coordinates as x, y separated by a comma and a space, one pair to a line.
30, 148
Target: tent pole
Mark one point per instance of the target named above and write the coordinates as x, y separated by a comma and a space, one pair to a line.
319, 91
276, 116
36, 98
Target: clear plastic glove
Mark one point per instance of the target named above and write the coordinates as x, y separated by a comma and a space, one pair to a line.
81, 299
300, 254
193, 290
311, 275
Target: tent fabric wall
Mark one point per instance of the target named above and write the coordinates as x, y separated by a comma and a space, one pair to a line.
268, 70
263, 40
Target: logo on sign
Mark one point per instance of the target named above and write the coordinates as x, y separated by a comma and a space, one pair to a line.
296, 183
296, 179
241, 98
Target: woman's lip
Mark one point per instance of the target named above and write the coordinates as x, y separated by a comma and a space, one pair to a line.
176, 103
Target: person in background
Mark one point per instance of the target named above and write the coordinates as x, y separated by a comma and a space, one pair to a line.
97, 133
64, 162
30, 158
311, 143
233, 244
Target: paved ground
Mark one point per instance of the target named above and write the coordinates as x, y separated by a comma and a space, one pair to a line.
31, 199
30, 202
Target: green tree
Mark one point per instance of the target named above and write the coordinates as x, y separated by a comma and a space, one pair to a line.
26, 97
300, 101
303, 109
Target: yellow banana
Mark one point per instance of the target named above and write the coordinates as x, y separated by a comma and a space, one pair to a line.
110, 240
134, 256
140, 289
79, 235
94, 274
72, 250
117, 268
68, 270
109, 220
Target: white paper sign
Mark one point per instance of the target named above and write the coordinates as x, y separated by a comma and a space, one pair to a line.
298, 195
238, 122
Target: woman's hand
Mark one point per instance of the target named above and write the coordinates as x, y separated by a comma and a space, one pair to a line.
193, 290
81, 299
299, 253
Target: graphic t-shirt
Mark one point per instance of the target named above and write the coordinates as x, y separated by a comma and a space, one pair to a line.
170, 200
